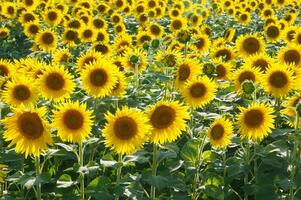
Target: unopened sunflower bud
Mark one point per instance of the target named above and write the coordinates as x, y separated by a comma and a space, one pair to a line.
209, 69
134, 60
298, 108
146, 46
155, 43
248, 87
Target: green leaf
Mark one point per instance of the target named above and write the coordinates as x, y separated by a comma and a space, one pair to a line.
65, 181
159, 182
189, 152
108, 163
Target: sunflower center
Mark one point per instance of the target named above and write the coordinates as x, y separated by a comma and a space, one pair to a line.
3, 70
29, 17
71, 35
87, 33
30, 125
55, 81
163, 117
116, 19
246, 76
52, 16
263, 64
273, 31
200, 43
29, 2
98, 23
21, 92
125, 128
251, 45
102, 48
48, 38
155, 30
177, 24
73, 119
169, 60
220, 71
253, 118
33, 29
224, 53
217, 132
145, 38
278, 79
292, 56
11, 10
184, 72
98, 77
198, 90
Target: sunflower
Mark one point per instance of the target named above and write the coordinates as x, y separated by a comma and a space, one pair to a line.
31, 29
87, 58
73, 122
186, 70
126, 130
20, 91
224, 52
46, 40
9, 10
29, 4
102, 36
70, 37
168, 120
27, 17
244, 18
6, 68
119, 89
290, 109
229, 34
250, 44
87, 34
122, 42
56, 83
134, 57
169, 58
53, 17
297, 37
28, 130
201, 42
199, 92
143, 37
223, 69
273, 33
99, 78
99, 23
177, 24
290, 55
62, 56
4, 32
279, 80
262, 61
246, 73
155, 30
220, 132
289, 34
256, 121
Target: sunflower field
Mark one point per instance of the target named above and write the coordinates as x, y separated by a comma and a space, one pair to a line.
150, 99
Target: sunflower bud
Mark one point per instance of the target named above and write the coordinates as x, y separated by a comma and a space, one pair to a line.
209, 69
184, 36
134, 59
155, 43
248, 87
298, 108
145, 45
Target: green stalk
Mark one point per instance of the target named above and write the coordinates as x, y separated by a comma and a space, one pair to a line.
119, 169
225, 173
82, 176
154, 170
38, 174
255, 166
247, 161
294, 157
136, 77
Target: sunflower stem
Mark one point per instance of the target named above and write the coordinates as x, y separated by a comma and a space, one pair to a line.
136, 78
225, 173
293, 159
247, 162
38, 174
154, 170
82, 176
119, 169
255, 166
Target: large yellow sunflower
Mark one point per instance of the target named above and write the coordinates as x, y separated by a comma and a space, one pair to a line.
87, 58
279, 80
168, 120
199, 92
224, 52
256, 121
46, 40
262, 61
6, 68
250, 44
28, 130
119, 90
99, 78
73, 122
20, 90
290, 109
126, 130
220, 132
56, 83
